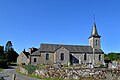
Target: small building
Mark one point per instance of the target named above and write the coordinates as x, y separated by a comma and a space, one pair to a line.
74, 54
23, 58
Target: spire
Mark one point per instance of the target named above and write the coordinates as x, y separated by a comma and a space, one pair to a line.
94, 32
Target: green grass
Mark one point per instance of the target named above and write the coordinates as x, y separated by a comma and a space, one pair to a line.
52, 79
30, 75
70, 79
1, 69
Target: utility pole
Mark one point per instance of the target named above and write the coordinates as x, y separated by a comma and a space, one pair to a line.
93, 57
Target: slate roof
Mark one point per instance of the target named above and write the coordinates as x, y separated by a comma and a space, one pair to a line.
36, 53
94, 32
26, 54
71, 48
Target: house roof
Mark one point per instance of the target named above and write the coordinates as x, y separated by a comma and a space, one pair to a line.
71, 48
31, 50
26, 54
36, 53
94, 32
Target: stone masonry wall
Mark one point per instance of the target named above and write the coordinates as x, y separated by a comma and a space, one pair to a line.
77, 73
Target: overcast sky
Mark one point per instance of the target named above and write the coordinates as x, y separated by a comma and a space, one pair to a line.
28, 23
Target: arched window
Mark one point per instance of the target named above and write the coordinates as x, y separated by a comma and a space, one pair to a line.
85, 57
96, 42
99, 57
47, 56
62, 56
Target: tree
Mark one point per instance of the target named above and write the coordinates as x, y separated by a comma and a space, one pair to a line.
3, 63
8, 46
112, 56
1, 52
10, 54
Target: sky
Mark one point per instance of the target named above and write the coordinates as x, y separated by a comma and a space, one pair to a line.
28, 23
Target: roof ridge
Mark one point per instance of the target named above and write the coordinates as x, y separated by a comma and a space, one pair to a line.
66, 44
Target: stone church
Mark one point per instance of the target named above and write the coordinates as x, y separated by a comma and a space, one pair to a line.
74, 54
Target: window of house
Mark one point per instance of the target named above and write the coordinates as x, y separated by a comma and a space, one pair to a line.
85, 57
35, 60
62, 56
96, 42
47, 56
99, 57
22, 59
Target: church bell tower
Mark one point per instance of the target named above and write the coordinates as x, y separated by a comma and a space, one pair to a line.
94, 39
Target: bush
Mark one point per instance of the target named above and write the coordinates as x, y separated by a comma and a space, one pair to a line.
30, 68
3, 64
101, 66
1, 69
65, 65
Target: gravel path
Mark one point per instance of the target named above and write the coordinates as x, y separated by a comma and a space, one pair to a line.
8, 73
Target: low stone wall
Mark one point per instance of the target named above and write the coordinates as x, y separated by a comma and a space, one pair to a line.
78, 73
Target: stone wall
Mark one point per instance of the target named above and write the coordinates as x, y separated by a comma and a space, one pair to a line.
43, 60
58, 56
53, 57
89, 58
77, 73
37, 60
92, 43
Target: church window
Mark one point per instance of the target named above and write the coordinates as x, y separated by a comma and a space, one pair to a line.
62, 56
96, 42
99, 57
35, 59
85, 57
47, 56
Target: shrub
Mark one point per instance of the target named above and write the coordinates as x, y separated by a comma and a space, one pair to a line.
3, 64
65, 65
1, 69
30, 68
101, 66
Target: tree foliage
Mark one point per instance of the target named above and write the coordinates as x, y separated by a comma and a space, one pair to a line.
10, 54
1, 52
112, 56
8, 46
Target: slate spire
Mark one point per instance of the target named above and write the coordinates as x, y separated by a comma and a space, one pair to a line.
94, 32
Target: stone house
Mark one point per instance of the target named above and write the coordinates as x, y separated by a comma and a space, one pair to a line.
24, 57
75, 54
